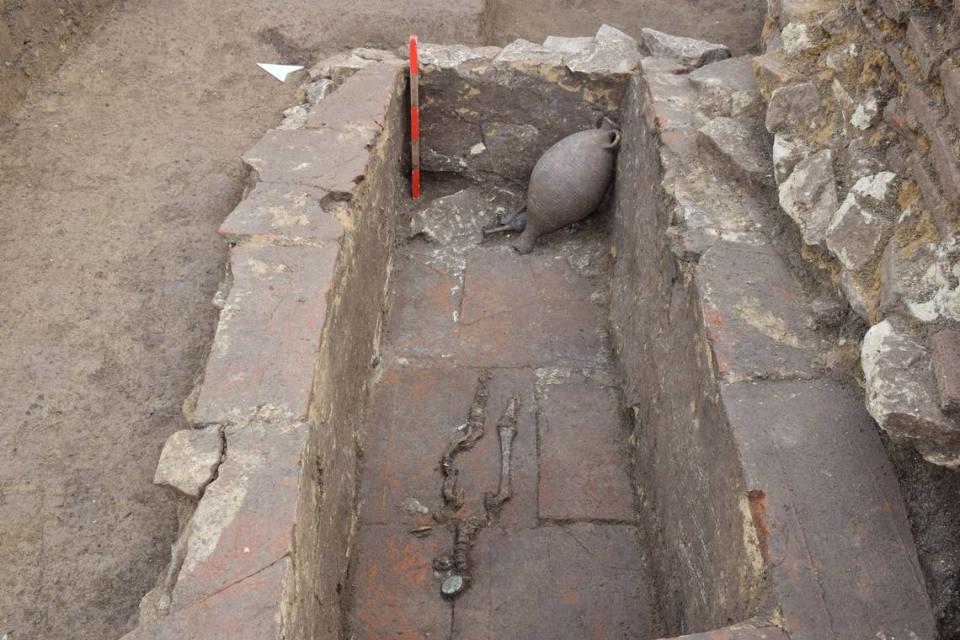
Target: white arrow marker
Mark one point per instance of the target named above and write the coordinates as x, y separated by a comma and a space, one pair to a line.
279, 71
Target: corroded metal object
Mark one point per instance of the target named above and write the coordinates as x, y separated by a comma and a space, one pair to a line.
569, 181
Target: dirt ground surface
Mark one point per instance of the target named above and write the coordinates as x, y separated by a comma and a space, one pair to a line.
114, 174
36, 36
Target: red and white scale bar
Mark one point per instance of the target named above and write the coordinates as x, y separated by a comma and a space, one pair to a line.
414, 117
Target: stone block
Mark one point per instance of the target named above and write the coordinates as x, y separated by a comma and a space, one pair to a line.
919, 274
286, 213
738, 144
830, 518
328, 159
362, 102
792, 106
727, 87
902, 392
788, 150
950, 81
800, 37
246, 518
458, 220
771, 73
579, 581
866, 113
925, 43
755, 320
450, 56
189, 460
945, 346
688, 51
674, 101
610, 52
265, 350
809, 196
896, 10
583, 461
943, 151
395, 592
862, 224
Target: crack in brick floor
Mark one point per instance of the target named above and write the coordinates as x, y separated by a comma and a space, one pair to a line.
564, 559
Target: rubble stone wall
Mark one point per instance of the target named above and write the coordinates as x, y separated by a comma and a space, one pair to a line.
864, 105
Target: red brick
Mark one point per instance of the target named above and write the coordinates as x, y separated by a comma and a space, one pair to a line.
528, 310
284, 212
361, 102
754, 314
422, 321
245, 520
950, 81
738, 632
583, 469
942, 149
842, 562
415, 413
946, 366
265, 349
558, 582
395, 592
328, 159
248, 610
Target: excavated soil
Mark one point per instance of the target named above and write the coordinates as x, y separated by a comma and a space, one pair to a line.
115, 171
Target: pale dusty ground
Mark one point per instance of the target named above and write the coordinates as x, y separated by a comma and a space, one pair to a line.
114, 175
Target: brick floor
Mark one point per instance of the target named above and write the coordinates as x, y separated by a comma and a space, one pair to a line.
573, 581
533, 323
583, 471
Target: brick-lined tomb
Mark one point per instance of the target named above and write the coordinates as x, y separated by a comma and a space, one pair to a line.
686, 460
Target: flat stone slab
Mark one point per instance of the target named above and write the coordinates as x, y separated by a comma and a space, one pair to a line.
189, 460
739, 144
395, 592
688, 51
245, 521
286, 213
565, 582
832, 526
329, 159
583, 466
265, 349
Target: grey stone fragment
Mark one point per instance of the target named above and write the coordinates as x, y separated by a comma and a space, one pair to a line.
788, 150
523, 53
444, 56
458, 220
799, 37
339, 66
922, 279
564, 45
318, 90
612, 51
902, 392
294, 118
738, 143
862, 224
866, 114
791, 105
689, 51
189, 460
727, 87
809, 196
